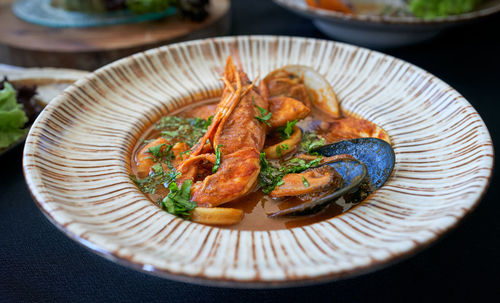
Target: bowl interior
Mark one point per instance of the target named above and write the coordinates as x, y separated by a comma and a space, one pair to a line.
76, 163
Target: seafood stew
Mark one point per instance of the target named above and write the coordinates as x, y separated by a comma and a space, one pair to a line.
250, 160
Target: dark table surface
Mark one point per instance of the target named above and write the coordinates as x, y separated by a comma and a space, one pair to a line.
39, 263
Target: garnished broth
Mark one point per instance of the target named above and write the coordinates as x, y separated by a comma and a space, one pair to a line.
261, 156
256, 205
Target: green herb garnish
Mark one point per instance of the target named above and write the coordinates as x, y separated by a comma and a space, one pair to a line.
281, 148
208, 122
297, 165
310, 140
178, 129
304, 180
156, 150
169, 156
286, 131
178, 201
186, 152
157, 177
264, 115
217, 158
270, 177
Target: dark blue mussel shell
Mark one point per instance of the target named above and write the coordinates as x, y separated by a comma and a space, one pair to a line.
376, 154
372, 166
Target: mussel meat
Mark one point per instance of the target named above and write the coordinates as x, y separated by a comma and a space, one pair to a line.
372, 166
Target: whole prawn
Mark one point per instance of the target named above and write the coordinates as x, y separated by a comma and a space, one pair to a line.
237, 135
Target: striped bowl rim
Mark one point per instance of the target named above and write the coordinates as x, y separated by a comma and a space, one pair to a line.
76, 164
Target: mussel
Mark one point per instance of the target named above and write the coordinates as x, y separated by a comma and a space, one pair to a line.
376, 154
318, 89
372, 166
373, 158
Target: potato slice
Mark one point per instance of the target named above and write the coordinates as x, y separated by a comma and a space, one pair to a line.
291, 143
216, 215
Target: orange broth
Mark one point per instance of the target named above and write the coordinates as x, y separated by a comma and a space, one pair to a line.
256, 205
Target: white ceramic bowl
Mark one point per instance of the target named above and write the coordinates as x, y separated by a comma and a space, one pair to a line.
76, 163
376, 31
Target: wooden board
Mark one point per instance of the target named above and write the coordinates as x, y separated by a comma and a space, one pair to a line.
30, 45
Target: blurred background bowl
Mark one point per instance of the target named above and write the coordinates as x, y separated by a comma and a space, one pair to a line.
383, 31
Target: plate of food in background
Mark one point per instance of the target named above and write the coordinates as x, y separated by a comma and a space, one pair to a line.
184, 163
389, 23
81, 14
24, 92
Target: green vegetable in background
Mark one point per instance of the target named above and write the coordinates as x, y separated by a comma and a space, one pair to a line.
429, 9
12, 117
149, 6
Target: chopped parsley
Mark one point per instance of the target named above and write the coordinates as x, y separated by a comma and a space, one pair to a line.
217, 158
304, 180
286, 131
208, 122
178, 129
178, 201
157, 177
169, 156
158, 154
270, 177
263, 116
297, 165
186, 152
310, 140
281, 148
156, 150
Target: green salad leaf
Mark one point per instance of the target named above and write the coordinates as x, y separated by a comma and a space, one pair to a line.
429, 9
148, 6
12, 117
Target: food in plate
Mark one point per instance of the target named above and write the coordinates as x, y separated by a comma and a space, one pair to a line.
261, 157
17, 109
24, 92
194, 9
426, 9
